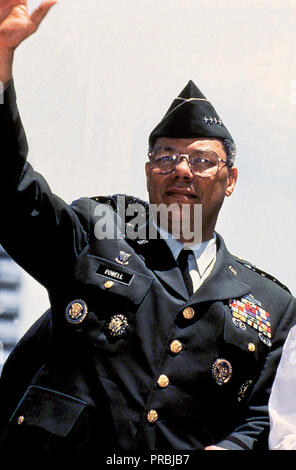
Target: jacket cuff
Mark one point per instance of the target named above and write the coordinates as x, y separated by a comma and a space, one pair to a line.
8, 95
233, 443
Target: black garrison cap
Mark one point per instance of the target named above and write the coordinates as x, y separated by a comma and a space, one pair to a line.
190, 115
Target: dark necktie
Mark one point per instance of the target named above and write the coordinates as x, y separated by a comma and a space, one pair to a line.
183, 265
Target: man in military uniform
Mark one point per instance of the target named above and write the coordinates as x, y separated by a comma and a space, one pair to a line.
148, 344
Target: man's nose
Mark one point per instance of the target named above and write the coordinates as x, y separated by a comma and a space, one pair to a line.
183, 169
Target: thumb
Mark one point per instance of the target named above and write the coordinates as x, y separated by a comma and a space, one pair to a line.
40, 12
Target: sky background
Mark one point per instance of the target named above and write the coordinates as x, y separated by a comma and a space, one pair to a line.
97, 77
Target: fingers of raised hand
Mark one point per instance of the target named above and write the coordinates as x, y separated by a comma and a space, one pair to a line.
15, 22
214, 448
40, 12
7, 6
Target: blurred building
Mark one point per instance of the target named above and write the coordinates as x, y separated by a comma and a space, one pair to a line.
10, 283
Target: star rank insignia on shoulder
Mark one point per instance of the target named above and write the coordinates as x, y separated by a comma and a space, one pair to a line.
261, 272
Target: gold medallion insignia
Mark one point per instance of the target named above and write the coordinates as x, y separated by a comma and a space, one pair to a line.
76, 311
117, 325
222, 371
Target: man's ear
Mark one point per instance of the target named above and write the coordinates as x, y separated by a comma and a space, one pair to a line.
232, 178
147, 171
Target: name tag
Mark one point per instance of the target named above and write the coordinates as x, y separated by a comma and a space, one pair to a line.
115, 274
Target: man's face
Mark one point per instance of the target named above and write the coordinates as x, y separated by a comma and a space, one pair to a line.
182, 186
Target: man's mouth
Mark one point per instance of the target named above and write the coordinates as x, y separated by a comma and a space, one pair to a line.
181, 194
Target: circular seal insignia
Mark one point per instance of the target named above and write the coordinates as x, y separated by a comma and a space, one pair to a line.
117, 325
222, 371
76, 311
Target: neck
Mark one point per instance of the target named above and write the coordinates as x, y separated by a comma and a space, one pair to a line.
186, 228
194, 240
188, 239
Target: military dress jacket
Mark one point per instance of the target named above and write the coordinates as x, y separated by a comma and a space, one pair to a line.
141, 365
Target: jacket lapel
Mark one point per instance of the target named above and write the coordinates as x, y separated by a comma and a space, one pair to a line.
159, 259
221, 283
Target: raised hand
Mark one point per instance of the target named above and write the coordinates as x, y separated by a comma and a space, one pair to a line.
16, 24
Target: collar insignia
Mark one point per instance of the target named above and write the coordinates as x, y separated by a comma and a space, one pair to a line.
233, 270
122, 258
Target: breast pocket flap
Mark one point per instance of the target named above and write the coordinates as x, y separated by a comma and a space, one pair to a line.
118, 279
245, 339
48, 409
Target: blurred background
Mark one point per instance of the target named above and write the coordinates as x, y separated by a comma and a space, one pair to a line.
98, 76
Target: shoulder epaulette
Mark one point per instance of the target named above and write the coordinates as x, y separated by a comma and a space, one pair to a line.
101, 199
105, 200
74, 202
262, 273
114, 202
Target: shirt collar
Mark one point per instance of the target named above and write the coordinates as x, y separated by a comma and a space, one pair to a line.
204, 252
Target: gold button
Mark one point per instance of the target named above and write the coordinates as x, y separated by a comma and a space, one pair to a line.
163, 381
108, 284
152, 416
251, 347
188, 313
20, 419
176, 346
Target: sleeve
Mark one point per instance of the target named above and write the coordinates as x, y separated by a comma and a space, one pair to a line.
252, 434
42, 233
282, 403
22, 365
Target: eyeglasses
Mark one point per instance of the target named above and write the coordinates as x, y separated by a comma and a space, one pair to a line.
201, 162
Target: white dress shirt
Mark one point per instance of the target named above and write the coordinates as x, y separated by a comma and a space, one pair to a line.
203, 261
282, 403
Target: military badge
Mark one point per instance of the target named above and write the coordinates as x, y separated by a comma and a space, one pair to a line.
243, 389
20, 420
222, 371
114, 274
265, 340
248, 310
142, 242
76, 311
233, 270
122, 258
117, 325
239, 324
